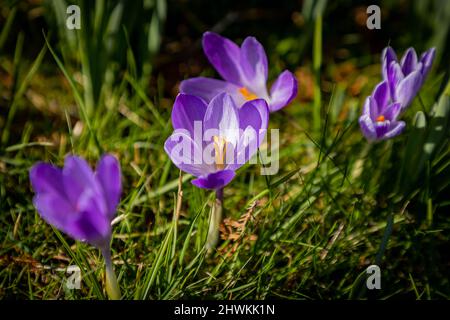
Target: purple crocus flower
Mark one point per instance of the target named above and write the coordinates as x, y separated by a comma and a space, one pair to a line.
81, 203
212, 141
244, 70
76, 200
379, 118
405, 78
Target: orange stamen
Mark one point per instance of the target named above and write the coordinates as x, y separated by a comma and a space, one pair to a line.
380, 118
247, 94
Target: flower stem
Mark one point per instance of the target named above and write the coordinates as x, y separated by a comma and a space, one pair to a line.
112, 287
317, 62
214, 222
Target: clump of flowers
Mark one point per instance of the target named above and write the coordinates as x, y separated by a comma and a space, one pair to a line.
401, 83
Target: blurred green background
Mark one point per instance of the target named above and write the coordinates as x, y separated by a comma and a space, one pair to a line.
316, 226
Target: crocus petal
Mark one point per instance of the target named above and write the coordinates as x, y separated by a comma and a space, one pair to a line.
215, 180
408, 88
91, 226
77, 177
427, 59
224, 55
283, 91
46, 178
186, 110
247, 147
222, 116
392, 111
395, 129
366, 107
367, 127
381, 96
387, 57
395, 75
186, 154
381, 128
109, 176
207, 88
409, 61
55, 210
374, 108
254, 113
254, 64
253, 122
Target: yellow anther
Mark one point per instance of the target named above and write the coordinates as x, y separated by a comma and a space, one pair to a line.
220, 147
247, 94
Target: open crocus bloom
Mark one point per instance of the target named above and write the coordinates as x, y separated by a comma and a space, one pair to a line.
379, 118
244, 70
406, 77
76, 200
212, 141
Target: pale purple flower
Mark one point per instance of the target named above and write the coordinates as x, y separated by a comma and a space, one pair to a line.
244, 70
211, 141
405, 78
379, 118
76, 200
